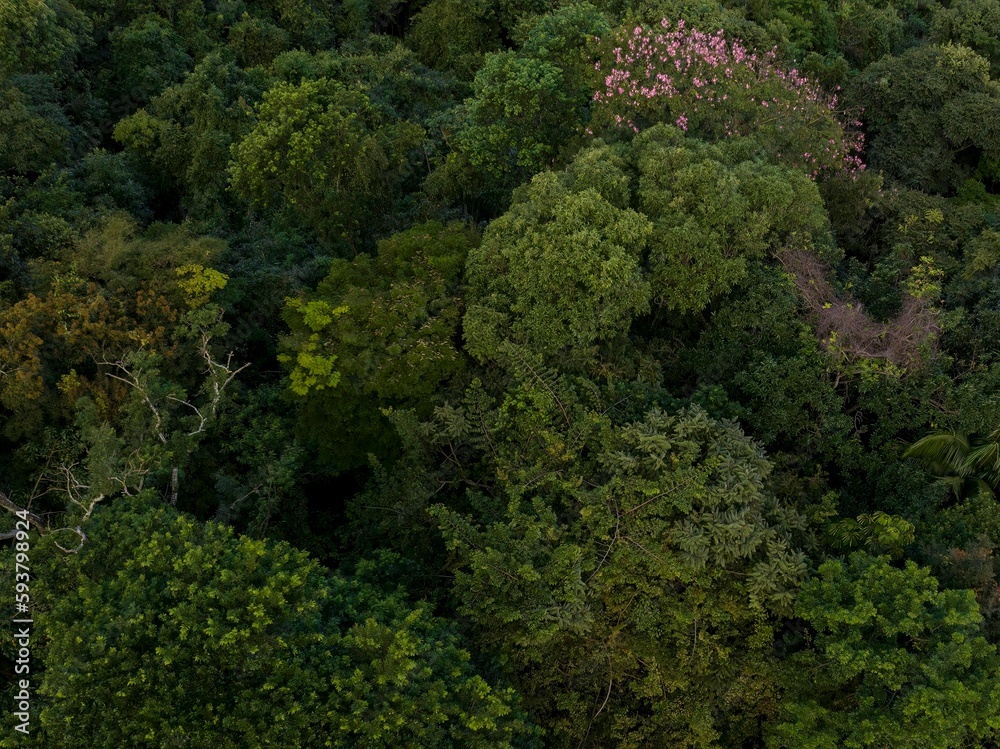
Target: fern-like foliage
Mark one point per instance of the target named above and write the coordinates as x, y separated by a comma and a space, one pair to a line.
878, 533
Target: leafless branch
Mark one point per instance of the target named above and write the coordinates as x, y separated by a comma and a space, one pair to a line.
900, 341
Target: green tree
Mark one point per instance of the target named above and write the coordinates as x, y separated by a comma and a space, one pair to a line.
164, 630
968, 464
519, 116
867, 32
893, 661
570, 266
40, 37
931, 115
714, 211
319, 25
325, 150
561, 271
568, 38
453, 35
127, 323
971, 23
36, 131
378, 332
529, 105
185, 135
147, 57
631, 576
878, 532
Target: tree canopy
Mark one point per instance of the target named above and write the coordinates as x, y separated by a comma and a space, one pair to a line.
501, 373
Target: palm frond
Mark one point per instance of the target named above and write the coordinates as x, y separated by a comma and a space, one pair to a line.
957, 484
984, 460
944, 453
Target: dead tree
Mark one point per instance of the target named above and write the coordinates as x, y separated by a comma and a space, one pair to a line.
902, 341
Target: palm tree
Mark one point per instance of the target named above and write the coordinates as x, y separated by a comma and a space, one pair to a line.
967, 463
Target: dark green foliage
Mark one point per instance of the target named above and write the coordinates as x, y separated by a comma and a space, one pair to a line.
391, 74
147, 57
971, 23
187, 132
531, 105
589, 377
869, 31
931, 115
967, 463
36, 131
567, 38
879, 532
454, 35
627, 572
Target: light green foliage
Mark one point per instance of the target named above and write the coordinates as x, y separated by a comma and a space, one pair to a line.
166, 630
310, 369
714, 213
391, 324
894, 661
971, 23
571, 265
165, 258
560, 272
325, 149
622, 569
198, 283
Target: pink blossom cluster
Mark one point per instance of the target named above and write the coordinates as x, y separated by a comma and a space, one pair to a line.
720, 88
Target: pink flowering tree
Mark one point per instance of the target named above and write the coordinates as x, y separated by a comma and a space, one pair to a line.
717, 88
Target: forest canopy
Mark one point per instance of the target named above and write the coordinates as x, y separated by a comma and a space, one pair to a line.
487, 374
